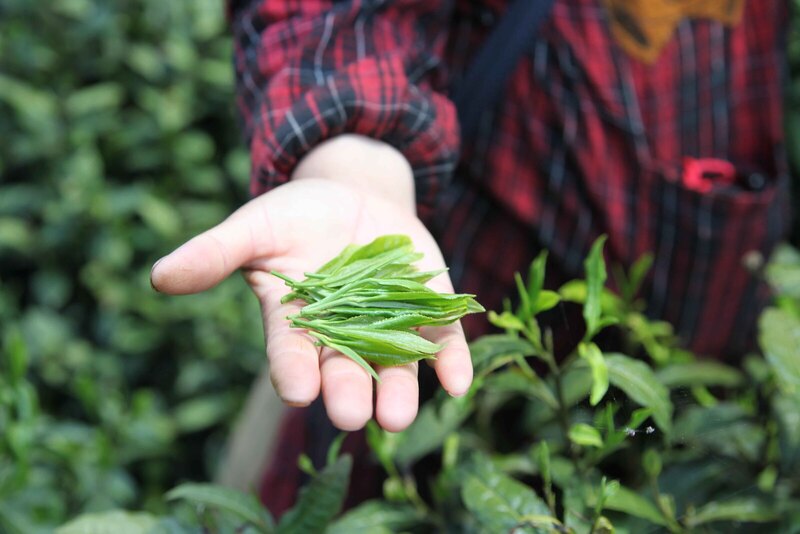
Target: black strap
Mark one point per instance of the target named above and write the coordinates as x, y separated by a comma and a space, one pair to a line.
488, 73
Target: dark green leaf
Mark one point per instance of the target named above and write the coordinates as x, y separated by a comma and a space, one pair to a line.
320, 501
703, 373
516, 381
631, 502
14, 522
639, 382
234, 502
429, 430
500, 502
651, 461
744, 510
488, 349
376, 517
114, 522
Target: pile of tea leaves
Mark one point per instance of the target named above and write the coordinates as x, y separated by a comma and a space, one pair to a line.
369, 302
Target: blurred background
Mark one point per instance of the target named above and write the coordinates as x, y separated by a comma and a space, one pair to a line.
118, 140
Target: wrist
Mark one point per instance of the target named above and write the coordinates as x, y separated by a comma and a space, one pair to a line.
366, 164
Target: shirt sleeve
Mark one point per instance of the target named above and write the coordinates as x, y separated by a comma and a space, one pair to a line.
308, 70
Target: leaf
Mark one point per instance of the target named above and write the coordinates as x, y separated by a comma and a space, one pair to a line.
526, 308
536, 274
591, 353
595, 268
725, 429
575, 291
745, 510
14, 522
546, 301
515, 381
235, 502
337, 262
430, 428
113, 522
376, 517
704, 373
630, 502
17, 354
498, 501
381, 245
639, 383
783, 271
506, 321
319, 501
335, 448
651, 462
779, 336
488, 349
585, 435
200, 413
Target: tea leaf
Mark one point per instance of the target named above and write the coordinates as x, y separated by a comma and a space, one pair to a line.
319, 501
585, 435
595, 268
498, 501
747, 510
705, 373
536, 274
506, 321
779, 335
547, 300
491, 348
639, 382
376, 517
651, 462
225, 499
430, 428
631, 502
369, 301
113, 522
591, 353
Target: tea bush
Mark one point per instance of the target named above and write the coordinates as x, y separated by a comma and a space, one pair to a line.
119, 140
595, 442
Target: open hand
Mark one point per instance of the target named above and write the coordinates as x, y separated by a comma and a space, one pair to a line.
295, 229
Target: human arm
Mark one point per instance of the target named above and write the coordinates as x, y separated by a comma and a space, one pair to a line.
297, 227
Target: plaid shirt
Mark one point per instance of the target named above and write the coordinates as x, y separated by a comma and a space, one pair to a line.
586, 141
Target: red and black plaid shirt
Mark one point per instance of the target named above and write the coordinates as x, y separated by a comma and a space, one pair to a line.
586, 140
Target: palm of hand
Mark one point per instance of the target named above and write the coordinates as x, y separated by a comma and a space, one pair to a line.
295, 229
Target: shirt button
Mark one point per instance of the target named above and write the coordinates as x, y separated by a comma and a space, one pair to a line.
756, 181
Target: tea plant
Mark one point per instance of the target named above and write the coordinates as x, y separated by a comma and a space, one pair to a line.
588, 442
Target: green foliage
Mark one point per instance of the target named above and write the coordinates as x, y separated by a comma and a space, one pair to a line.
119, 142
245, 507
635, 457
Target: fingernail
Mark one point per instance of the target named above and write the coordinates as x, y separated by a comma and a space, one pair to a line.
460, 387
153, 268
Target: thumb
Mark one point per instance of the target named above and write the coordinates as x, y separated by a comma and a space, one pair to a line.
207, 259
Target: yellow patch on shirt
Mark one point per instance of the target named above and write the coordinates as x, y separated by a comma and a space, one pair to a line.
643, 27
